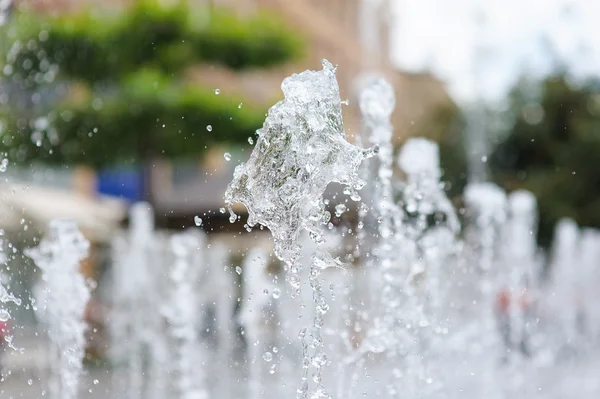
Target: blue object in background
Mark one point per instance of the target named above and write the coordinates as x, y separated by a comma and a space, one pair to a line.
125, 182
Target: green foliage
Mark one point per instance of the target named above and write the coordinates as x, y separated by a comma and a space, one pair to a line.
97, 46
149, 116
553, 149
127, 100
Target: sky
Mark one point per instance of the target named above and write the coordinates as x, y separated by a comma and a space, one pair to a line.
482, 60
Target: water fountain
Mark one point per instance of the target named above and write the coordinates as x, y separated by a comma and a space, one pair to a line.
137, 327
589, 254
63, 297
219, 294
481, 275
520, 257
182, 311
564, 283
300, 150
254, 318
419, 313
386, 273
5, 295
430, 224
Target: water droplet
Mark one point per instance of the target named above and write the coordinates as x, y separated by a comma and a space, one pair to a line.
30, 382
240, 105
250, 141
222, 210
227, 156
267, 356
209, 128
238, 270
360, 225
198, 220
340, 209
217, 91
96, 382
273, 369
276, 293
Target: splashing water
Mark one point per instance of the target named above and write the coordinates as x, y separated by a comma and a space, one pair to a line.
301, 149
377, 101
5, 295
64, 296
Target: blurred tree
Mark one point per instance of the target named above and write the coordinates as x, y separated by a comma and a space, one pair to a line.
552, 149
119, 93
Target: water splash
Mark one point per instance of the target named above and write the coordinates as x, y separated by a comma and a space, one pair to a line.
377, 101
5, 295
300, 150
64, 296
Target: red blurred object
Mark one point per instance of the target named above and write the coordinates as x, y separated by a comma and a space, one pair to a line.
4, 329
503, 301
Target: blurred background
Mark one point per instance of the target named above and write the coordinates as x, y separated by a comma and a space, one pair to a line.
105, 103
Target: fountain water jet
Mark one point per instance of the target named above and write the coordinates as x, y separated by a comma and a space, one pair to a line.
5, 295
487, 207
300, 150
253, 317
64, 296
564, 280
139, 329
181, 311
520, 258
429, 229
